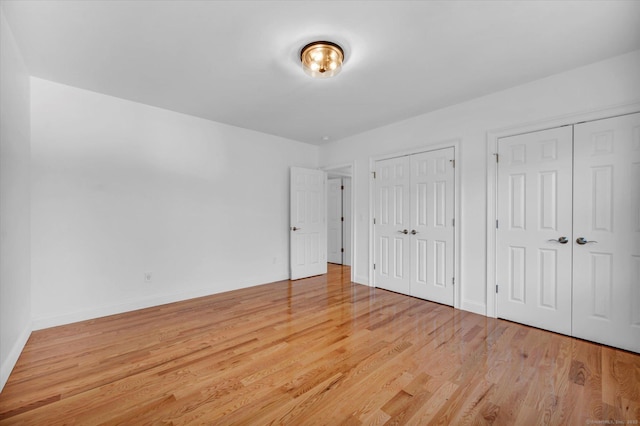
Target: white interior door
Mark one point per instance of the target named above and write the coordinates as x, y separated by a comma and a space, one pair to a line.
606, 272
334, 220
308, 230
431, 233
534, 229
392, 225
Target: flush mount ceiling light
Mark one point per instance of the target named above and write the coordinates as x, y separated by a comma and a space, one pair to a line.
322, 59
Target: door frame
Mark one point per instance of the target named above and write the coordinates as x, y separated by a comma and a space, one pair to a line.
451, 143
352, 234
492, 178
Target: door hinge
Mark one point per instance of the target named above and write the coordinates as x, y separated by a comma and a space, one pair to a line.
496, 223
497, 157
342, 219
374, 175
453, 163
374, 266
341, 250
342, 187
453, 222
374, 220
453, 280
496, 288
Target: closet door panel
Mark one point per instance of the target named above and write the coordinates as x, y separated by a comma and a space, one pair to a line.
534, 229
606, 245
432, 234
392, 202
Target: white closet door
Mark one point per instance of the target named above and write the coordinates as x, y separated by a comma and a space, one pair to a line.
334, 220
606, 274
392, 225
534, 232
431, 234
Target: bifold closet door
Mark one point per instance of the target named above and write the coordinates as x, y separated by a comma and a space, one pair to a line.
534, 228
606, 243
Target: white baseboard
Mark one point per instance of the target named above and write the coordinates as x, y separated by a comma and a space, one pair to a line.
12, 358
475, 307
40, 323
360, 279
103, 311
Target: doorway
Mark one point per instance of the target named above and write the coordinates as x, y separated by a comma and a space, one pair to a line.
340, 229
339, 220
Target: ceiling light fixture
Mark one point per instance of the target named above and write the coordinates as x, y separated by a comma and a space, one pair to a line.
322, 59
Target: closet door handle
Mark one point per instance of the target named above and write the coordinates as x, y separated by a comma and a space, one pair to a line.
582, 241
404, 231
561, 240
295, 229
414, 232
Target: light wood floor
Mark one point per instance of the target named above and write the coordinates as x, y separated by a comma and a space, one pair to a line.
316, 351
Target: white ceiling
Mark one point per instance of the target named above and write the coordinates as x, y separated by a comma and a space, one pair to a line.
237, 62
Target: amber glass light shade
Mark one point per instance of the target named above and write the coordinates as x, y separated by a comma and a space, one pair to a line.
322, 59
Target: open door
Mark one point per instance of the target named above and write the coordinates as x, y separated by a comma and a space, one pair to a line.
308, 230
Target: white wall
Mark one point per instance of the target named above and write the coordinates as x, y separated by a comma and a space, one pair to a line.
15, 286
120, 189
601, 85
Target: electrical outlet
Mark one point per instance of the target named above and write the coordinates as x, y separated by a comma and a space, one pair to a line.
147, 277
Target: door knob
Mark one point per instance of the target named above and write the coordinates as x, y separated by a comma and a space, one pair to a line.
582, 241
293, 228
404, 231
414, 232
561, 240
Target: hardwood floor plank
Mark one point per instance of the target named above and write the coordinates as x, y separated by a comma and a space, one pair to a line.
315, 351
